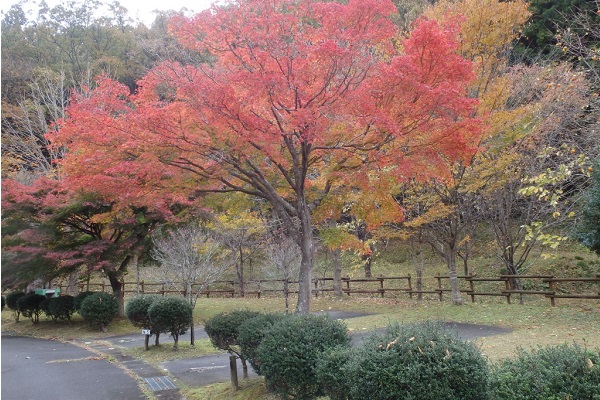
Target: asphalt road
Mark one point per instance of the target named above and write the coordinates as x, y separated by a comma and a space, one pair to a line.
35, 369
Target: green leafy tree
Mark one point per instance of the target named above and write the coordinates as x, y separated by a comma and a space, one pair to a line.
99, 309
589, 227
171, 314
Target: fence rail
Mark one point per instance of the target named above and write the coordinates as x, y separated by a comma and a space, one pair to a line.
473, 286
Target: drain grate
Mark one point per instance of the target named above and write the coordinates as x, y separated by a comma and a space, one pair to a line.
158, 383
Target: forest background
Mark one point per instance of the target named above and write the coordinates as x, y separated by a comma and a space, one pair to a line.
528, 182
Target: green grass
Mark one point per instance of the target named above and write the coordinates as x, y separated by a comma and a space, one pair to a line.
164, 352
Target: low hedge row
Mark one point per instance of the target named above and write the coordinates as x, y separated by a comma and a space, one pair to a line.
305, 357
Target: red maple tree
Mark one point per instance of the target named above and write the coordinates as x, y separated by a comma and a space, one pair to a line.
299, 102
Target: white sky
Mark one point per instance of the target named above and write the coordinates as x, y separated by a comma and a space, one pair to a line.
137, 9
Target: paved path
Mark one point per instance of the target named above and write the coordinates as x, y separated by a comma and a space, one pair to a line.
51, 370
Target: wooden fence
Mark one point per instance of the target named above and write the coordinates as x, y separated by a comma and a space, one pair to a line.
549, 286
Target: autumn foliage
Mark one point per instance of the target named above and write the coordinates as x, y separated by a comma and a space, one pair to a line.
302, 103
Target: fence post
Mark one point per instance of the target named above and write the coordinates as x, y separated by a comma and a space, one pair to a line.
381, 286
410, 293
471, 287
316, 287
348, 286
439, 279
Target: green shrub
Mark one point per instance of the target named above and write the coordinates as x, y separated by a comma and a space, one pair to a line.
99, 309
29, 306
550, 373
171, 314
79, 299
11, 302
45, 305
3, 303
289, 353
136, 311
417, 362
60, 308
222, 329
334, 373
250, 334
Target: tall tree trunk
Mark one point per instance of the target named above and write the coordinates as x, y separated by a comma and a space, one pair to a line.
306, 248
367, 266
368, 259
72, 285
419, 264
337, 272
239, 267
454, 286
114, 277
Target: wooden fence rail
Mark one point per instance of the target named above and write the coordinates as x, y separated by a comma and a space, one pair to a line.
473, 286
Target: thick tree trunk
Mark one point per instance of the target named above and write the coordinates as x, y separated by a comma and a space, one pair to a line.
175, 342
72, 285
306, 248
337, 272
117, 288
147, 342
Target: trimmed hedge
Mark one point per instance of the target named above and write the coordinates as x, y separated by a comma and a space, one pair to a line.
136, 311
79, 299
61, 307
251, 332
549, 373
11, 299
11, 302
222, 328
416, 362
99, 309
289, 353
171, 314
29, 306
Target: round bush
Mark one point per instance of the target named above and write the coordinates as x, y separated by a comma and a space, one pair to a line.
136, 310
251, 332
549, 373
79, 299
61, 307
11, 299
289, 353
222, 328
99, 309
171, 314
417, 362
29, 306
